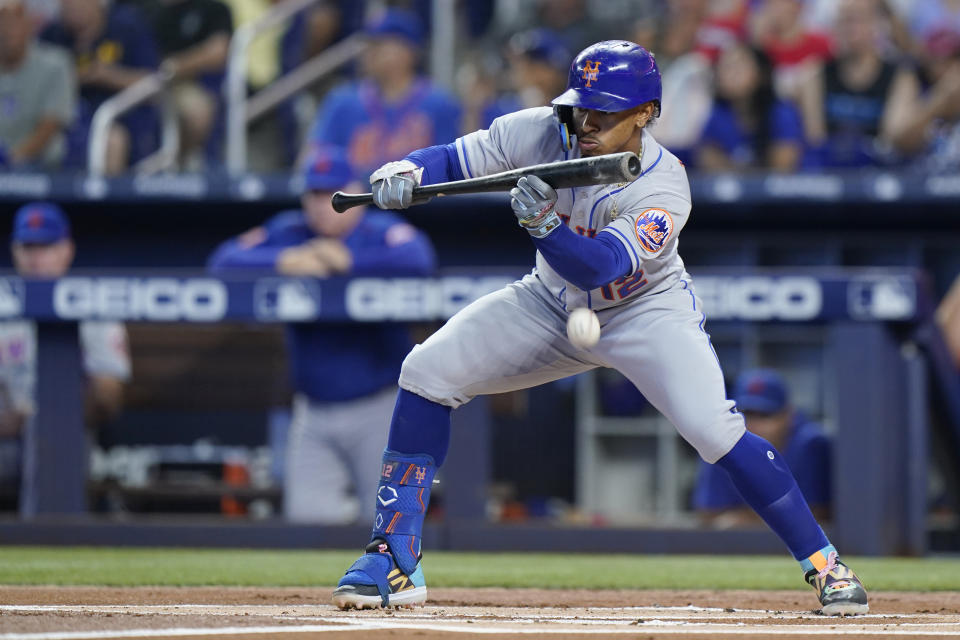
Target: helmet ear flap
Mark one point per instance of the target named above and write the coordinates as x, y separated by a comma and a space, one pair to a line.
564, 115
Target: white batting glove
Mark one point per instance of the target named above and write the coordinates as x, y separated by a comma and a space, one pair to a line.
392, 184
533, 202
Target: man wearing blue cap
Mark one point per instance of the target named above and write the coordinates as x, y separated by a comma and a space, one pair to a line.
762, 396
539, 61
393, 109
42, 248
344, 375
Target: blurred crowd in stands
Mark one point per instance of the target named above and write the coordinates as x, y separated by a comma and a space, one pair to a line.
781, 85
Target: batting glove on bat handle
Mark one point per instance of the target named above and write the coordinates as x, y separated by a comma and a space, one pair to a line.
533, 202
392, 184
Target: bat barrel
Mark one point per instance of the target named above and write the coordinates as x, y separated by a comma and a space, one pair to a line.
607, 169
581, 172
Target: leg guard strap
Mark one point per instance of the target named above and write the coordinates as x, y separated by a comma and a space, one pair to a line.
372, 566
402, 500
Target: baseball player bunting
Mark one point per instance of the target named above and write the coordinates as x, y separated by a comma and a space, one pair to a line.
609, 248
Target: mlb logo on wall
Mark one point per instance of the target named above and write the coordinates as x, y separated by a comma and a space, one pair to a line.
11, 297
286, 300
654, 227
882, 298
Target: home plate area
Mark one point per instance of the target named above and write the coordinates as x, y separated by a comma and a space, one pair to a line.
74, 613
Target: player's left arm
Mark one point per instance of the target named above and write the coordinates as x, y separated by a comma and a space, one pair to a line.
586, 262
649, 226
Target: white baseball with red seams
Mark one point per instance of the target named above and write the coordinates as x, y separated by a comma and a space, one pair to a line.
583, 328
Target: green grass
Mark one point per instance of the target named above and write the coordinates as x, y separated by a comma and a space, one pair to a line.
129, 567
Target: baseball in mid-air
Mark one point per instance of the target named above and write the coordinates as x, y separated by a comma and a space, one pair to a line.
583, 328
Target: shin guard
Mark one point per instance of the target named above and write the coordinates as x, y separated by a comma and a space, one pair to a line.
402, 500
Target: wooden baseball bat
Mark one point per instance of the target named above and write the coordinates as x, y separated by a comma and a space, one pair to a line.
582, 172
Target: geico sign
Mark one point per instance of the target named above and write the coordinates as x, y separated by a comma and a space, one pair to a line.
760, 298
416, 298
159, 299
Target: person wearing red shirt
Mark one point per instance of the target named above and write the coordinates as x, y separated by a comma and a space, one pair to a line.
779, 29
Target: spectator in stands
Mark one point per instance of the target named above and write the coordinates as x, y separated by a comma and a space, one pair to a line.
578, 23
934, 126
344, 374
113, 47
308, 35
538, 63
854, 109
762, 396
393, 110
41, 12
312, 31
687, 74
928, 17
37, 94
948, 319
42, 247
779, 28
749, 127
194, 39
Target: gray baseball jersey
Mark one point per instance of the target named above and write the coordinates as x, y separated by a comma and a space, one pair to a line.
652, 323
645, 215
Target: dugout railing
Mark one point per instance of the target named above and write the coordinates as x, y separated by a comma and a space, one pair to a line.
882, 361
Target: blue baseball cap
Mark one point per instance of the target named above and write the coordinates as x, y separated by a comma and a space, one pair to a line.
40, 223
327, 169
397, 22
761, 391
544, 45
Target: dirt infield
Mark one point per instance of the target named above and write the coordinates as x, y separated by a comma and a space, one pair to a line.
75, 613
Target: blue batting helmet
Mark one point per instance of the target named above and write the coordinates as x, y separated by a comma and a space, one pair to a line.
613, 75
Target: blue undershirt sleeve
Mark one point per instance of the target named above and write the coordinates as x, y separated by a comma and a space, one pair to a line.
585, 262
440, 163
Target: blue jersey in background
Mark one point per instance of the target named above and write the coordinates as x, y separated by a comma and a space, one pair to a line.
334, 362
375, 132
724, 131
807, 453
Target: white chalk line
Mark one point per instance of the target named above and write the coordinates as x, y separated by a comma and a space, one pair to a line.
434, 612
477, 629
664, 620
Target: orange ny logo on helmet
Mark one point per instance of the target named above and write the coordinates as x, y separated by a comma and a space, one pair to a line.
590, 73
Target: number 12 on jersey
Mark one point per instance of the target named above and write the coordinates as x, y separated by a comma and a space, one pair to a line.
624, 286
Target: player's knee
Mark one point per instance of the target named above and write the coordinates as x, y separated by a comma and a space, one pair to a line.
714, 442
427, 376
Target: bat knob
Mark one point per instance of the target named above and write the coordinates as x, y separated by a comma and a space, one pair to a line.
340, 202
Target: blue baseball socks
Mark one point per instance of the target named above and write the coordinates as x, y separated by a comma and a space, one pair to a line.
760, 474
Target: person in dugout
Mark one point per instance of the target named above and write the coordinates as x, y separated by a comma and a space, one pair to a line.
763, 398
344, 374
42, 247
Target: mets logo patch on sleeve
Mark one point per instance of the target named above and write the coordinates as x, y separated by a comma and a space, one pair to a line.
654, 227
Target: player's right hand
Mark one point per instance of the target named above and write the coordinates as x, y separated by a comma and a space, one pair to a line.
392, 184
